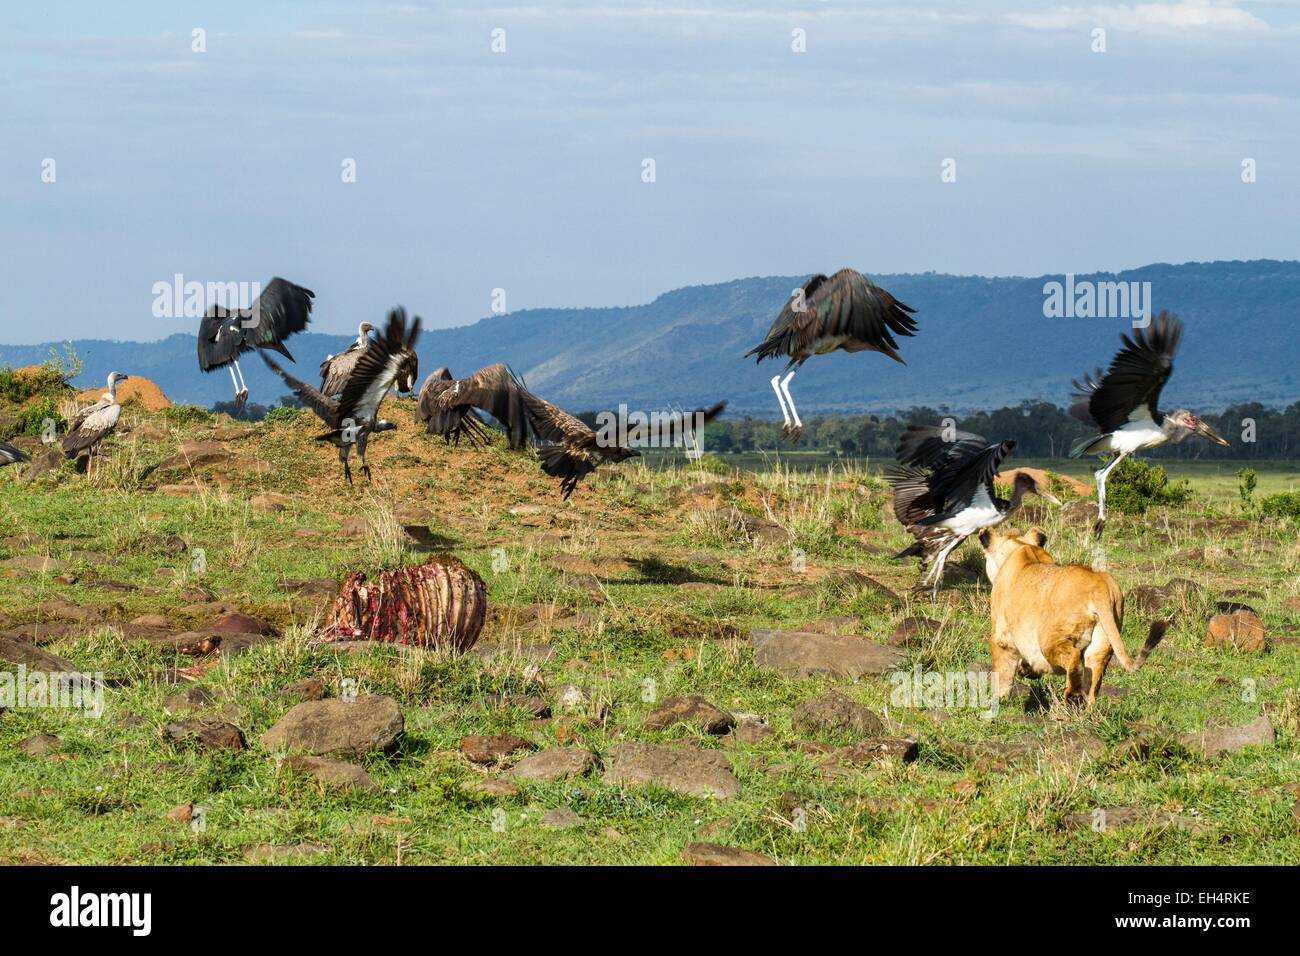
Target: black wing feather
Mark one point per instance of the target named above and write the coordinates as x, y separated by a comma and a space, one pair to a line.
1136, 375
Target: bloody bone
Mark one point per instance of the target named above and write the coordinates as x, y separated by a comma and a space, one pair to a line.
438, 604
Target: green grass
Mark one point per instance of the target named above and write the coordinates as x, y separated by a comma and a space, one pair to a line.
105, 796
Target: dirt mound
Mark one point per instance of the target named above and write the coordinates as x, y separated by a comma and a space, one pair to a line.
139, 390
1044, 480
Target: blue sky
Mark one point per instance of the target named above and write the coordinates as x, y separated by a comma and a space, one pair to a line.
522, 170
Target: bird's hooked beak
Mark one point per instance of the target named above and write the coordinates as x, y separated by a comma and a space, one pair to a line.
1205, 431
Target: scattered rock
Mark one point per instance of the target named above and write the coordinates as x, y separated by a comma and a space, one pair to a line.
875, 749
749, 732
20, 652
911, 631
489, 749
212, 733
714, 854
854, 581
181, 814
1242, 630
332, 774
686, 770
557, 763
571, 698
321, 727
693, 710
561, 818
1111, 819
807, 655
1080, 513
192, 698
1230, 740
40, 745
309, 688
270, 502
764, 533
832, 713
493, 787
193, 454
24, 565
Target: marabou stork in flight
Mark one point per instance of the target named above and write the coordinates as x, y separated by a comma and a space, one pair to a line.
95, 422
847, 311
334, 371
388, 362
1122, 403
9, 455
224, 334
568, 448
943, 491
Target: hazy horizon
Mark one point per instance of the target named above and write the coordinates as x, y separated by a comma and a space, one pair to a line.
523, 170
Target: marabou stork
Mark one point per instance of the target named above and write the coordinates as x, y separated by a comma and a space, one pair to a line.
335, 369
847, 311
9, 455
1122, 403
95, 422
569, 449
388, 362
224, 334
943, 491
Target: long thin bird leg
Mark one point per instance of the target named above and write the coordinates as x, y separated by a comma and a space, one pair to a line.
938, 568
798, 425
234, 381
776, 387
347, 469
242, 396
1100, 525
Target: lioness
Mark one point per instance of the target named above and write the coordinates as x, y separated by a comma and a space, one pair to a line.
1053, 619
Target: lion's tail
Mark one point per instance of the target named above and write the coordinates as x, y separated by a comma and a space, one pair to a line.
1154, 636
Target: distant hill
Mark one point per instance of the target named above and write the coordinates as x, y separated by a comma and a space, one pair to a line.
983, 342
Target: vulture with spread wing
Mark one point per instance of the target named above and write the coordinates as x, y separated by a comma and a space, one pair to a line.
568, 448
334, 371
388, 362
9, 455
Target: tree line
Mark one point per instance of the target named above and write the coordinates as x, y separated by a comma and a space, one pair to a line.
1040, 429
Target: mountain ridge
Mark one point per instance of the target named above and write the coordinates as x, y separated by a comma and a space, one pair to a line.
982, 342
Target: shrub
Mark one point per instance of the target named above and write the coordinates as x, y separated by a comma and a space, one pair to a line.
186, 415
281, 414
1284, 504
712, 464
35, 416
1134, 486
1246, 482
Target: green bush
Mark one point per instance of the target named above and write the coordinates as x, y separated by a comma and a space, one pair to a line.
1134, 486
187, 415
712, 464
1284, 504
1247, 481
281, 414
34, 416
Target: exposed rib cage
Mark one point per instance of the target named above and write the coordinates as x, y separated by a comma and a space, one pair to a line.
438, 604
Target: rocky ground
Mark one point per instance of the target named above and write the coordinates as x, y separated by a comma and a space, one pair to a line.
680, 665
